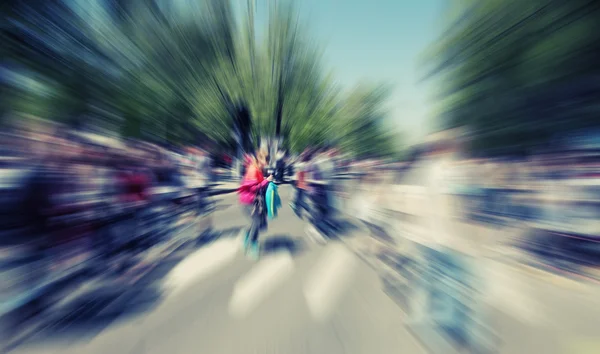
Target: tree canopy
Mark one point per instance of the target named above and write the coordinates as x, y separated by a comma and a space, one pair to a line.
176, 71
518, 73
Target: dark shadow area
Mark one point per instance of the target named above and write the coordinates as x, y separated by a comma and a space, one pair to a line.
338, 228
214, 192
213, 235
378, 232
567, 255
278, 243
230, 232
345, 227
206, 238
90, 316
103, 307
93, 313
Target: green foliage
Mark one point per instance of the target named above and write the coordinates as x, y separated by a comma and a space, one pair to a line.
179, 71
519, 72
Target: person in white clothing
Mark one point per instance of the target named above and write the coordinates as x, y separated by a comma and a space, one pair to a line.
444, 252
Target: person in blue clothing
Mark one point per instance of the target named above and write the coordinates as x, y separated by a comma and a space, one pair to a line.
273, 200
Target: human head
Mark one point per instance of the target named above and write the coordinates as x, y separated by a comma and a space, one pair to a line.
260, 158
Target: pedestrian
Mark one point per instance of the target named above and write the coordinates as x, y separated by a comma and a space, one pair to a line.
280, 165
443, 247
301, 184
252, 198
321, 225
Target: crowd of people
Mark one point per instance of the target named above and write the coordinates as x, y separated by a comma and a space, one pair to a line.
60, 189
54, 172
437, 214
74, 200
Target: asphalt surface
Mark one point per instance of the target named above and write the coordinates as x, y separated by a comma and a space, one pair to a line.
303, 297
298, 297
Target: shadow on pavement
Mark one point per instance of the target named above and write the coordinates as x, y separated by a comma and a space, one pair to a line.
212, 236
88, 316
337, 229
229, 232
345, 227
378, 232
279, 243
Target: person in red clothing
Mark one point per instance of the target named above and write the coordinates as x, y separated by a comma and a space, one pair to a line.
134, 185
253, 185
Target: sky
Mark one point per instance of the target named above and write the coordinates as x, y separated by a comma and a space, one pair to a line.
378, 41
381, 41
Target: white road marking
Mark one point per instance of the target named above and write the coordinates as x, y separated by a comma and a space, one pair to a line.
200, 264
262, 280
330, 278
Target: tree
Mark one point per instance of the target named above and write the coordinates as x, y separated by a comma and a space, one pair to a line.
514, 71
181, 71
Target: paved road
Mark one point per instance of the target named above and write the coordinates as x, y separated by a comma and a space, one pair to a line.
303, 298
299, 297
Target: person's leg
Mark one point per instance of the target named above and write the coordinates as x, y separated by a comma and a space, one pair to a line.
254, 228
247, 209
460, 271
318, 213
253, 234
331, 211
297, 197
301, 200
422, 285
300, 204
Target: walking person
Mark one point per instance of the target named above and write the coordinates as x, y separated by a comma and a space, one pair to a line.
252, 198
319, 208
299, 204
280, 166
447, 252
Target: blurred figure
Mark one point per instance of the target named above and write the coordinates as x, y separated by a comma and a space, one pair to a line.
167, 173
443, 248
134, 184
368, 200
252, 199
319, 176
280, 165
42, 190
299, 204
204, 165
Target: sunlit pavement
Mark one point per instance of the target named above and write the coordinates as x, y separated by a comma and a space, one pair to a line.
299, 297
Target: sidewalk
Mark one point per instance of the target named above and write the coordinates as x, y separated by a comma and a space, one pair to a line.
529, 310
